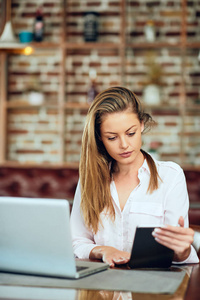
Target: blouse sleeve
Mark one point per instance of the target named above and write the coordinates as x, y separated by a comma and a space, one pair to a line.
82, 237
176, 205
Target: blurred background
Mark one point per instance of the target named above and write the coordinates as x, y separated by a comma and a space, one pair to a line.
78, 48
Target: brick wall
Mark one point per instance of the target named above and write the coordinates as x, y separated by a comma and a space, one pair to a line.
33, 135
78, 65
74, 124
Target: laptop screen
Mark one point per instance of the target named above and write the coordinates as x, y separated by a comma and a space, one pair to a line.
35, 236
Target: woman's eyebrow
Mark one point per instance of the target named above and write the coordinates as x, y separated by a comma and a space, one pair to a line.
131, 127
110, 132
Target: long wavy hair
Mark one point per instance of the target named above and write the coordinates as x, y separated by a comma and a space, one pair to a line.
95, 168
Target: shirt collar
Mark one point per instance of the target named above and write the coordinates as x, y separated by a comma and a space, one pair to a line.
145, 165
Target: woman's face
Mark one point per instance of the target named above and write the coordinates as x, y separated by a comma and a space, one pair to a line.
121, 136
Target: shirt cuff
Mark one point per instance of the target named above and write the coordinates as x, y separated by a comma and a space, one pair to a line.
83, 251
192, 258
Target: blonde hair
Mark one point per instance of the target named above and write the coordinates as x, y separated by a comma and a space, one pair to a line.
95, 164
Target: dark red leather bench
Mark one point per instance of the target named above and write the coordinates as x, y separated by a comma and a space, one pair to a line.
38, 182
61, 183
193, 185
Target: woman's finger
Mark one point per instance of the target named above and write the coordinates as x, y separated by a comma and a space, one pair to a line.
184, 234
173, 243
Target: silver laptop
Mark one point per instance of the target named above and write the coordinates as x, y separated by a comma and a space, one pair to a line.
35, 238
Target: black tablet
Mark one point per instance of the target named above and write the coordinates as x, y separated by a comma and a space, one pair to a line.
147, 253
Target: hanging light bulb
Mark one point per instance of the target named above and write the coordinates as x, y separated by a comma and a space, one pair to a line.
28, 50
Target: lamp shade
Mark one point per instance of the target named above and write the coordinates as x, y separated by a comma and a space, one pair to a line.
8, 39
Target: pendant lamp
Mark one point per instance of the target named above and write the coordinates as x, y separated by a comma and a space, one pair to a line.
8, 39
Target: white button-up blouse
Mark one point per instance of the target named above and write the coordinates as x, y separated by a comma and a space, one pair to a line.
164, 206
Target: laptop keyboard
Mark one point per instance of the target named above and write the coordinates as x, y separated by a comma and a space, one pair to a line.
78, 268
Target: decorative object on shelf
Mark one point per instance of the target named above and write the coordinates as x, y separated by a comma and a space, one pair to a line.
151, 93
25, 36
149, 29
8, 34
8, 39
35, 98
38, 29
91, 26
92, 91
33, 92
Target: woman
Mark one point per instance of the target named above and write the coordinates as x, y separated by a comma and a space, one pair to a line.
121, 186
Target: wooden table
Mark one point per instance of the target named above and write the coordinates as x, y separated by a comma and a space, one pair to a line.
189, 290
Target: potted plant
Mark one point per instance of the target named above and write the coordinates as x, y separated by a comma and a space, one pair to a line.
151, 93
33, 92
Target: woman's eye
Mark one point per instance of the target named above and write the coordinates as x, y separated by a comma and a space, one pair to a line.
131, 133
111, 138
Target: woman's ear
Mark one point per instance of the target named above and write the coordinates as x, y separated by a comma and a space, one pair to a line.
142, 126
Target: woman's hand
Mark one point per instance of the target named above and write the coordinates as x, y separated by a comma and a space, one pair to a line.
110, 255
176, 238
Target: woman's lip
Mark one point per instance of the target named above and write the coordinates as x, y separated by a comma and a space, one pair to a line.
125, 154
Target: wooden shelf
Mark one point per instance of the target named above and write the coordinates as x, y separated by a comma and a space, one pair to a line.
191, 133
36, 46
193, 107
104, 45
44, 45
67, 105
107, 45
14, 164
195, 45
154, 45
162, 107
94, 45
72, 105
20, 104
85, 106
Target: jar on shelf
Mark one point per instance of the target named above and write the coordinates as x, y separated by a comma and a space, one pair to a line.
150, 32
152, 87
33, 93
92, 90
38, 28
151, 94
91, 26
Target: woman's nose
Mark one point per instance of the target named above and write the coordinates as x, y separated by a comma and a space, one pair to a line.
123, 143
